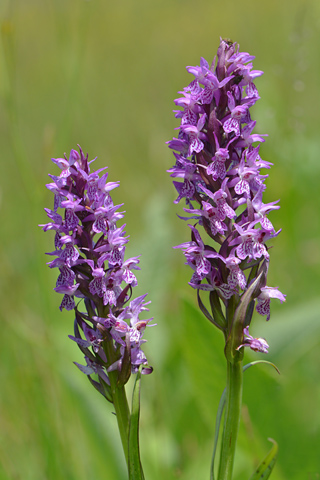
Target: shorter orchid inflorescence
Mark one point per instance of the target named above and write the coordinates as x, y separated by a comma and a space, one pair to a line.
89, 253
222, 185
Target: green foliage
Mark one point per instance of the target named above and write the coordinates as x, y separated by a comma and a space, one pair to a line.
265, 468
104, 74
135, 467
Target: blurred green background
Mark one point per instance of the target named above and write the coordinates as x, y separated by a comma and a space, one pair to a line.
104, 74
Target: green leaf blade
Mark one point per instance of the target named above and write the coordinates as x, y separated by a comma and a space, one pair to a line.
134, 465
222, 404
265, 468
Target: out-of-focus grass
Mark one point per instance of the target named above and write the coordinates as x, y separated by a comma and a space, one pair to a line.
104, 74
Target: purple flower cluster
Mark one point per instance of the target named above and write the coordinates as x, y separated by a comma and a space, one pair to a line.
89, 253
217, 159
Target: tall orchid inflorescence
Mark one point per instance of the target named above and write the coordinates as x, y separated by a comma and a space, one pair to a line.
89, 253
217, 157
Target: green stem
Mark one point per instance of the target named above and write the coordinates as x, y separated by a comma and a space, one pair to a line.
121, 406
231, 419
120, 401
119, 397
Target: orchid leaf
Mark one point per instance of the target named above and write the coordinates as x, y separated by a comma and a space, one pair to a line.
135, 468
248, 365
221, 406
265, 468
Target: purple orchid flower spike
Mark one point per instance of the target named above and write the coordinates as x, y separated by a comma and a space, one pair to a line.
221, 176
90, 256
